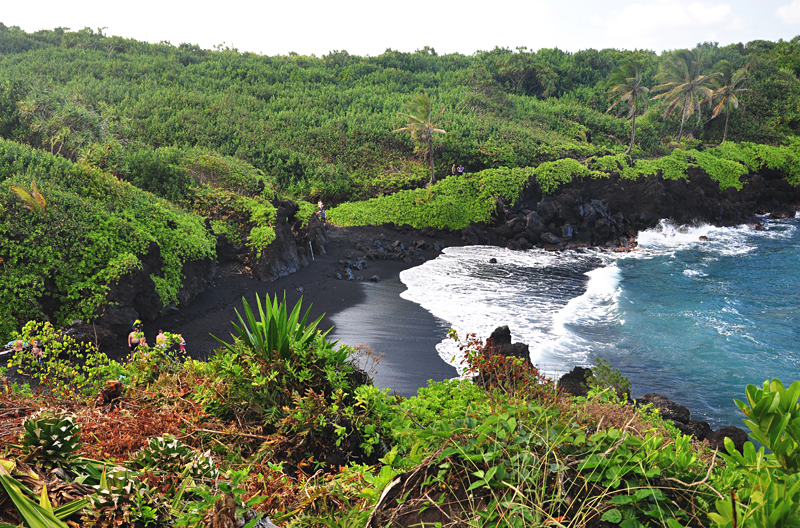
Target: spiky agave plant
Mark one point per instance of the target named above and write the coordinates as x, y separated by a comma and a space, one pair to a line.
57, 438
276, 330
122, 498
166, 453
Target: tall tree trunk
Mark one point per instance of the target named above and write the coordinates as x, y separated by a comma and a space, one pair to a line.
727, 116
633, 130
430, 153
683, 116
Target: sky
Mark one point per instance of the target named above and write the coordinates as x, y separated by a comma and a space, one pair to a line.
363, 27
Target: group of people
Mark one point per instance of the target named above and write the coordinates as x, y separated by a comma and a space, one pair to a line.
136, 339
457, 170
36, 349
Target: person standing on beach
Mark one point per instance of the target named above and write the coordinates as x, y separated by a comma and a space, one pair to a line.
161, 339
453, 170
460, 170
133, 338
183, 344
322, 214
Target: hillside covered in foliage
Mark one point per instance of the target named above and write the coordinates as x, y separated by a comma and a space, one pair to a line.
322, 126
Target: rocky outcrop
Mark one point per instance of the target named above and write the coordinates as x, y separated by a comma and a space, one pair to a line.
280, 257
384, 249
500, 343
716, 439
574, 382
611, 211
676, 414
134, 295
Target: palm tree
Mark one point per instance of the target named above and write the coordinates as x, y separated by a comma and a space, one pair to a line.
625, 84
728, 85
421, 125
683, 85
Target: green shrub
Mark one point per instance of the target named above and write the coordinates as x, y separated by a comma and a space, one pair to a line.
453, 202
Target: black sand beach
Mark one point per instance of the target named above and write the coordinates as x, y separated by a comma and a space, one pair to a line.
362, 312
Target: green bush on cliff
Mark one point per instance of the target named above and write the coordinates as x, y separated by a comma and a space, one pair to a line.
452, 202
552, 175
60, 264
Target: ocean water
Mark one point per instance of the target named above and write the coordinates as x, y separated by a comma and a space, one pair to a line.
693, 320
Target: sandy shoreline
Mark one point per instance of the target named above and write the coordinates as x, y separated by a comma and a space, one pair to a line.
362, 312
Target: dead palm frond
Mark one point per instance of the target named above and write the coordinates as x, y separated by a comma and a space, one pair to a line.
31, 200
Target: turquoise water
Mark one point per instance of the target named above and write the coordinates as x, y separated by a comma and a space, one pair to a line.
693, 320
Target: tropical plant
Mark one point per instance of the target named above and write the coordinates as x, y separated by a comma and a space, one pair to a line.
32, 200
167, 454
277, 330
50, 439
39, 514
684, 85
625, 85
729, 84
769, 484
421, 125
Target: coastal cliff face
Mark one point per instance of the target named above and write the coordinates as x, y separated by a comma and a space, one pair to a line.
134, 295
611, 212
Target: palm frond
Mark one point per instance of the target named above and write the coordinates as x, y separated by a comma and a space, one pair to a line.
33, 201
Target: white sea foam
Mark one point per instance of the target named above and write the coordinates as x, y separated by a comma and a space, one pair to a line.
538, 294
694, 273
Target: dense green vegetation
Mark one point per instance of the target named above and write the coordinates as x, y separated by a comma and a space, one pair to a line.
322, 126
292, 431
57, 264
222, 135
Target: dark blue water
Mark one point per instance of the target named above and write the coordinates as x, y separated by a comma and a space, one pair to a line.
705, 319
693, 320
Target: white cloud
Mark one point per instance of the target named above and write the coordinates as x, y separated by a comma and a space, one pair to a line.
789, 13
660, 24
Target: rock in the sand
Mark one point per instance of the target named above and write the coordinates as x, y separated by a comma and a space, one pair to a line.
349, 274
375, 278
550, 238
500, 343
716, 439
668, 409
360, 277
501, 336
339, 276
575, 382
492, 260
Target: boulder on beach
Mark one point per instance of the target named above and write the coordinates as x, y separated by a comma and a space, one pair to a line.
716, 439
499, 342
574, 382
